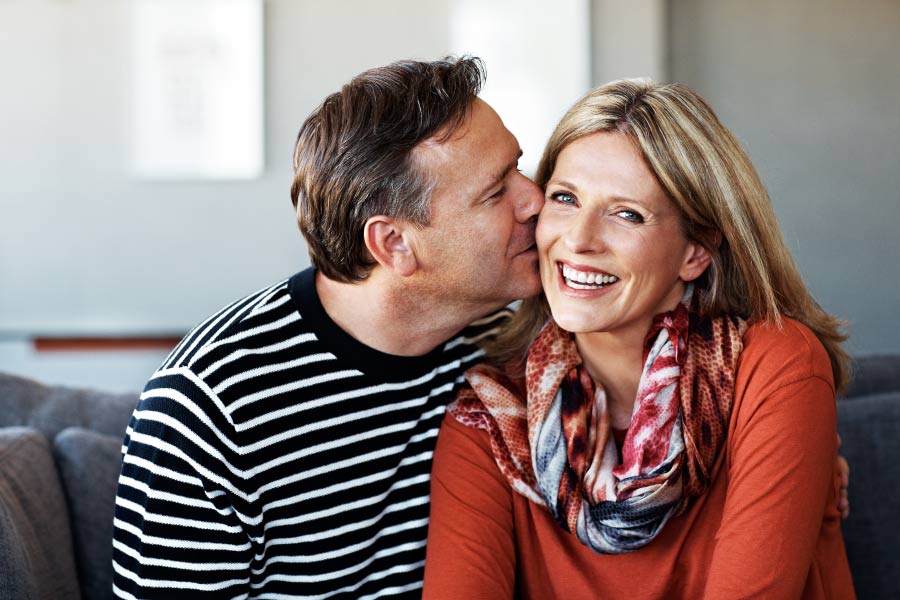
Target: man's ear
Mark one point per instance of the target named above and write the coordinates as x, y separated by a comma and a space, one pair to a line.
388, 242
696, 260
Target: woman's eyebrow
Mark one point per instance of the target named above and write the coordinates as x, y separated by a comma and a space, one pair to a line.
563, 183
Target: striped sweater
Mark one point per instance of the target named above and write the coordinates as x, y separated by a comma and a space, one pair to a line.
274, 456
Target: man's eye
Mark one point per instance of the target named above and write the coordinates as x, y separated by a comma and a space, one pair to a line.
564, 197
498, 193
631, 215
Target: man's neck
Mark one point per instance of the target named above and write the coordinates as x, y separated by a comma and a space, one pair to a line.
388, 318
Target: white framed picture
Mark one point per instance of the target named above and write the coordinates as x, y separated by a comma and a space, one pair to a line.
198, 79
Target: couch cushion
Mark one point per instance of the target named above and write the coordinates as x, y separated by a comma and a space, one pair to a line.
875, 374
89, 465
50, 409
35, 541
869, 428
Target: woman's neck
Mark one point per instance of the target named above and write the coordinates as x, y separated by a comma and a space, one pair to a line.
615, 362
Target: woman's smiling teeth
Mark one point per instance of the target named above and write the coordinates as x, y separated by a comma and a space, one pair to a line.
586, 280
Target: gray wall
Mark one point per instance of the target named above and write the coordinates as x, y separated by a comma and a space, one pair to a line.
812, 90
86, 247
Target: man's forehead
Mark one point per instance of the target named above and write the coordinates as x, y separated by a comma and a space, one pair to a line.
481, 138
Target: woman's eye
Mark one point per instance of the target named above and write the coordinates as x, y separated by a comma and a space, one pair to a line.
631, 215
563, 197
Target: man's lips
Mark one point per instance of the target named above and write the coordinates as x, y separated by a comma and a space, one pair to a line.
531, 248
526, 241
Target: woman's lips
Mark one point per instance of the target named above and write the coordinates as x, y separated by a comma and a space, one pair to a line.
584, 281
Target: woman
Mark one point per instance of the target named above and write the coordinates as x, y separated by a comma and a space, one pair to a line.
677, 413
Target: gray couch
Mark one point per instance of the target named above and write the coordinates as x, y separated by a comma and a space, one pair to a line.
59, 462
869, 424
60, 450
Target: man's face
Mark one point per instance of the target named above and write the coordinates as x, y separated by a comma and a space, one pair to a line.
478, 253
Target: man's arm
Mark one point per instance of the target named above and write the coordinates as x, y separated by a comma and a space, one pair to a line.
181, 518
843, 474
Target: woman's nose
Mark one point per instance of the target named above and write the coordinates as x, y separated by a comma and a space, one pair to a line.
584, 235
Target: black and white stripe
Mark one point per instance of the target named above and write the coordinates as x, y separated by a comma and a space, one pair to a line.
272, 456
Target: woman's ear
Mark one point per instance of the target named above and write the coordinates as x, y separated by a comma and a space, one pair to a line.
388, 242
696, 260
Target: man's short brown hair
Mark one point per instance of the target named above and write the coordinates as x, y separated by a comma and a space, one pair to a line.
354, 155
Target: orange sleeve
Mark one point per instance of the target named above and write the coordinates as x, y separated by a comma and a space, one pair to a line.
781, 479
471, 543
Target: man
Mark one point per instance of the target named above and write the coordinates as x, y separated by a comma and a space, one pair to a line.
284, 448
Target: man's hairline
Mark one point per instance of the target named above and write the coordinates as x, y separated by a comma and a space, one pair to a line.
425, 153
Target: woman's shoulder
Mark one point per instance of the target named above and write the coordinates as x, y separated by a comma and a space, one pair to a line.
783, 354
459, 433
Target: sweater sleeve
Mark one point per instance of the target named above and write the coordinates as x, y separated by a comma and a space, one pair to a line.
781, 477
180, 517
471, 542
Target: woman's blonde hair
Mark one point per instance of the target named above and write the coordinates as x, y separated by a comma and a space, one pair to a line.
723, 203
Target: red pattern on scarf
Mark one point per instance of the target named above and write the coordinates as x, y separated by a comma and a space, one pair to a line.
694, 374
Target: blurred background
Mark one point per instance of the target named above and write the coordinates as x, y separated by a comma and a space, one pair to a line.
116, 237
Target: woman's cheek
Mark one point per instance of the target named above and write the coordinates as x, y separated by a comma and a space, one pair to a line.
545, 230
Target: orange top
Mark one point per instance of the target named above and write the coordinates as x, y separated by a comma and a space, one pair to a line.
768, 527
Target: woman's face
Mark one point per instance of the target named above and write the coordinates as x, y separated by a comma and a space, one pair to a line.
612, 250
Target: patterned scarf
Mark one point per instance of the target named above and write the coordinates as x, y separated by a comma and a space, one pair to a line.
558, 451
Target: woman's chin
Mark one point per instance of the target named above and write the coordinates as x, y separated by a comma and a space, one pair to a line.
575, 323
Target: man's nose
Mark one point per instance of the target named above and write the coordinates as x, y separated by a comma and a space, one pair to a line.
529, 199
